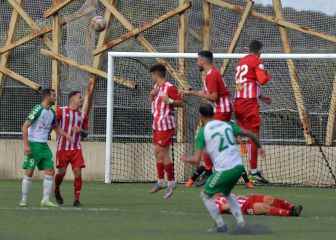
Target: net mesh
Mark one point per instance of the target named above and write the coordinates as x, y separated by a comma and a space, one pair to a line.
17, 100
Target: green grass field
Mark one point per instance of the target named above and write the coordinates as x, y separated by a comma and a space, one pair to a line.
128, 211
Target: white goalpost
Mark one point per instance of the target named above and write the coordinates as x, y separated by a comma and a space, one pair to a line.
284, 140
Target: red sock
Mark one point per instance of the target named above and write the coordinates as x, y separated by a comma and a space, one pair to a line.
253, 154
58, 180
160, 170
278, 212
279, 203
169, 168
207, 162
77, 187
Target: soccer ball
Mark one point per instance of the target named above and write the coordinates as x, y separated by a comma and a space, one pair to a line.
98, 23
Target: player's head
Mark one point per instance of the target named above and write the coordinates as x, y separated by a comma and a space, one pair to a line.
49, 96
204, 58
158, 71
206, 111
255, 47
75, 99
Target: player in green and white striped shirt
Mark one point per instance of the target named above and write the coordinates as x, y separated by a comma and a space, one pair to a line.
217, 138
35, 134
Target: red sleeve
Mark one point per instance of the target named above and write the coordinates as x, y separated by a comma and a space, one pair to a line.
262, 76
58, 113
212, 82
173, 93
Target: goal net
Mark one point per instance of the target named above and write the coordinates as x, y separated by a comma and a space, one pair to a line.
289, 159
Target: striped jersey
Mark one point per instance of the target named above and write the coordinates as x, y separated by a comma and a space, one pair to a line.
67, 120
222, 200
247, 83
213, 82
163, 114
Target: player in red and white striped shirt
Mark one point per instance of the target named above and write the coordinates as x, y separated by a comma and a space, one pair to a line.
164, 98
75, 123
215, 91
259, 204
250, 75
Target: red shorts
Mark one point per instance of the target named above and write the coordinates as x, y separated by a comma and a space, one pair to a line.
247, 208
223, 116
74, 157
163, 138
247, 113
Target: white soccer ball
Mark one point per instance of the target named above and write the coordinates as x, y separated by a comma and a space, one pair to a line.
98, 23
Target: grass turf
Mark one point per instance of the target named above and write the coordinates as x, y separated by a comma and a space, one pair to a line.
128, 211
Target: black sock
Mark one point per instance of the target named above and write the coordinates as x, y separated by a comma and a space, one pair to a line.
245, 177
199, 170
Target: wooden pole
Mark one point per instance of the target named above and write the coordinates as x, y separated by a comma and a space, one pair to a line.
207, 22
19, 78
55, 48
57, 6
236, 36
10, 37
274, 20
34, 26
143, 41
86, 68
112, 43
182, 44
195, 35
331, 117
293, 75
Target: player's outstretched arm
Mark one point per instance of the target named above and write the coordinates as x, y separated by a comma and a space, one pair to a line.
87, 104
26, 147
194, 159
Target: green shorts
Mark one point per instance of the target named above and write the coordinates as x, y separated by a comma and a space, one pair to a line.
223, 182
40, 157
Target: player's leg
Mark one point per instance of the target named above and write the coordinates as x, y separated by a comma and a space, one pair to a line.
77, 163
61, 165
197, 173
159, 162
284, 204
169, 169
29, 164
47, 166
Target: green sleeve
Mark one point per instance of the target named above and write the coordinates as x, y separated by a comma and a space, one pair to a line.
200, 139
236, 129
35, 113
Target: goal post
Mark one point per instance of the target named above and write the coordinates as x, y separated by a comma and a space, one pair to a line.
129, 157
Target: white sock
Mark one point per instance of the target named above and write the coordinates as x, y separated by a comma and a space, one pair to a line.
210, 205
235, 209
47, 187
161, 182
26, 186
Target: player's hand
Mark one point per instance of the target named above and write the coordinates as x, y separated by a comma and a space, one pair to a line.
68, 137
76, 129
185, 158
265, 99
261, 153
154, 92
165, 99
26, 149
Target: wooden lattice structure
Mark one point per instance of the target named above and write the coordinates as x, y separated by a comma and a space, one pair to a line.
52, 45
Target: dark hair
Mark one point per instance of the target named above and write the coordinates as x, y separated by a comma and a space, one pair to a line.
255, 46
159, 68
73, 93
206, 110
47, 92
207, 55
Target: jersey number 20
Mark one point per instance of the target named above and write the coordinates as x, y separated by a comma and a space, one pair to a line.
225, 139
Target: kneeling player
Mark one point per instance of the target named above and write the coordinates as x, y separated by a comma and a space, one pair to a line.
261, 205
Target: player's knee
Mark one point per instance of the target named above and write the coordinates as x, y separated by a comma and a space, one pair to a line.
50, 172
29, 173
77, 172
61, 171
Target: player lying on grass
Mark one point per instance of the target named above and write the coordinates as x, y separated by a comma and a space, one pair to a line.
261, 205
164, 98
217, 138
35, 134
75, 122
215, 91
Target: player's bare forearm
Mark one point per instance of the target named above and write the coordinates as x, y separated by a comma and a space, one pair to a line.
193, 160
59, 131
252, 136
25, 127
88, 98
177, 103
213, 97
